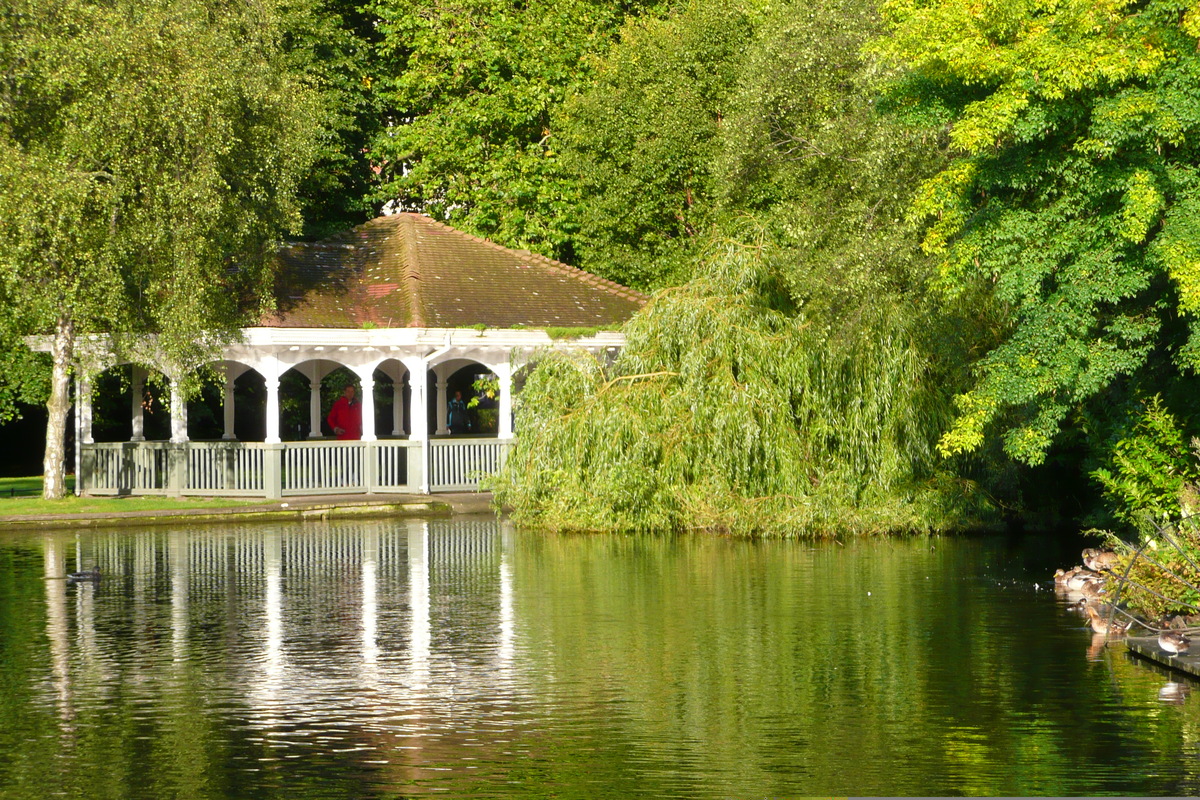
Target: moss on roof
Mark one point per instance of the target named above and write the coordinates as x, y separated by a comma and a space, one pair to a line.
407, 270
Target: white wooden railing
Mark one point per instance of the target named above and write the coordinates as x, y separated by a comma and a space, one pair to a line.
458, 464
256, 469
324, 468
227, 468
127, 467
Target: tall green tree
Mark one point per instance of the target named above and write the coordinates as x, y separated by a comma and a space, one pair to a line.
331, 42
470, 86
150, 153
642, 141
1074, 198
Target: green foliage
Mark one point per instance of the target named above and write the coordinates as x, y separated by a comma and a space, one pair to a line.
1163, 572
1147, 470
577, 333
484, 388
1073, 196
730, 410
471, 86
643, 137
331, 43
141, 160
24, 375
806, 151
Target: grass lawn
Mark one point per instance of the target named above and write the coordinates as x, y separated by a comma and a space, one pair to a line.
24, 496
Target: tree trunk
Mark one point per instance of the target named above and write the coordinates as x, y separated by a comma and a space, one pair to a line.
54, 485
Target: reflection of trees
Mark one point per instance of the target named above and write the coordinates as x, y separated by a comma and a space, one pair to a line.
351, 659
789, 669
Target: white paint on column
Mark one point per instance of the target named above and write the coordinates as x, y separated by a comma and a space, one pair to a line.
272, 411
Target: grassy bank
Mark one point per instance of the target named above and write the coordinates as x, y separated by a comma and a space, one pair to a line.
24, 496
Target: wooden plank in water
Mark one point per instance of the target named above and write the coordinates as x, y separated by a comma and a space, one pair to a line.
1147, 647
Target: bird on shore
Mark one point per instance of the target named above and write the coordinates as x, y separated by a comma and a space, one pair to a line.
92, 575
1061, 577
1101, 625
1093, 590
1099, 560
1079, 579
1174, 642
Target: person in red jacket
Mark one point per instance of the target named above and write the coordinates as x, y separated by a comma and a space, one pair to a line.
346, 415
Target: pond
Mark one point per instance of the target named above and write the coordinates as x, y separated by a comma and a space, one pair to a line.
405, 658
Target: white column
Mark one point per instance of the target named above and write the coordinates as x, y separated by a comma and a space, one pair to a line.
179, 431
505, 427
314, 405
398, 407
368, 409
227, 405
440, 399
418, 417
84, 388
418, 414
138, 387
272, 411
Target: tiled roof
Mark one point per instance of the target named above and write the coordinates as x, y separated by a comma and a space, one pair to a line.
409, 271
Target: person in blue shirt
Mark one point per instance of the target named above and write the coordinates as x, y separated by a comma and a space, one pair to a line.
457, 420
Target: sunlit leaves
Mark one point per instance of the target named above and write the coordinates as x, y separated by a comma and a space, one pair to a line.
1077, 122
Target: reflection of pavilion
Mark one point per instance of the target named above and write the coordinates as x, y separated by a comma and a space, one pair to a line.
394, 616
415, 311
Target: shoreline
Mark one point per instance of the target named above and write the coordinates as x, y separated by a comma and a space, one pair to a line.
292, 509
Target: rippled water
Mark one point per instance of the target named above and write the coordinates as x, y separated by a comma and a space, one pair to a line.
392, 659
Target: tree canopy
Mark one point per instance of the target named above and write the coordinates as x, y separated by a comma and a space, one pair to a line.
792, 380
150, 153
470, 88
1072, 198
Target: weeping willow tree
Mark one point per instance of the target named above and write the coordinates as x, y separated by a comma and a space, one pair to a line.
732, 410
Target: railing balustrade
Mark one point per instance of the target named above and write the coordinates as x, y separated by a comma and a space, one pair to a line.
256, 469
226, 468
458, 464
324, 468
127, 467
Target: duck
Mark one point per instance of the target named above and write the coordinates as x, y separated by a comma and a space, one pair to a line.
1078, 579
1099, 560
1174, 642
1093, 590
91, 575
1106, 626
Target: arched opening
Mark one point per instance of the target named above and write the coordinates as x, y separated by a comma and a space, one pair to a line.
467, 400
130, 403
306, 391
393, 399
304, 413
222, 383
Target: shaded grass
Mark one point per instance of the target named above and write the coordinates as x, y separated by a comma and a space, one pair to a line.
23, 496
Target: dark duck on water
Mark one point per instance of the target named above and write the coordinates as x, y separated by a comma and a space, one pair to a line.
92, 575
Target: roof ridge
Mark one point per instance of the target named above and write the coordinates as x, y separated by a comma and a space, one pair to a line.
412, 268
611, 286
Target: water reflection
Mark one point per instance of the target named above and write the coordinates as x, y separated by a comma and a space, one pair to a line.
416, 657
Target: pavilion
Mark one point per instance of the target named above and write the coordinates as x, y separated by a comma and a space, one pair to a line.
401, 298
